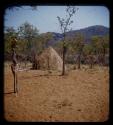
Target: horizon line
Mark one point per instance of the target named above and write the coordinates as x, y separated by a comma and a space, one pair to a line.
76, 29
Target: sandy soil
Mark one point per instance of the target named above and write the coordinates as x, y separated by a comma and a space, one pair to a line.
80, 96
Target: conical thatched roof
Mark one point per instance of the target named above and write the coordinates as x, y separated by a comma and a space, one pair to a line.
50, 59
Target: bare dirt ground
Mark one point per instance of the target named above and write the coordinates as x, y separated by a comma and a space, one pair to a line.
80, 96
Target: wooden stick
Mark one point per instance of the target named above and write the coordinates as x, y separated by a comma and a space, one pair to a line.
16, 79
14, 76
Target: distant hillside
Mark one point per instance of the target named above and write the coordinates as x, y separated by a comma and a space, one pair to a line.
88, 32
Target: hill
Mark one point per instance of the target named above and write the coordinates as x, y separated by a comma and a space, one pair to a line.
88, 32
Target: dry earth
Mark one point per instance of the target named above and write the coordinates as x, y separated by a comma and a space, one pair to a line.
80, 96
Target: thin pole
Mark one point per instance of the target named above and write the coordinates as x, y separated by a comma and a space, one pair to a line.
14, 64
16, 79
14, 76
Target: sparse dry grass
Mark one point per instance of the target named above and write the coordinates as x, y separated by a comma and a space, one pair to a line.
82, 95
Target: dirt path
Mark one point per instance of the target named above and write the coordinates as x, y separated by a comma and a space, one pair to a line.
82, 95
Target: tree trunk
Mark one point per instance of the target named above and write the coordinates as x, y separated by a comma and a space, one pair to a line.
79, 61
48, 63
64, 52
63, 67
91, 62
104, 53
91, 65
34, 63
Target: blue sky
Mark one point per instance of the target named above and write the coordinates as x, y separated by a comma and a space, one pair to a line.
45, 17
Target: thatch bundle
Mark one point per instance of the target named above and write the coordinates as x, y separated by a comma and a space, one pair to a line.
50, 59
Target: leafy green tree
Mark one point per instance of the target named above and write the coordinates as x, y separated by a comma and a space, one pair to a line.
104, 41
77, 46
41, 42
9, 34
45, 39
28, 32
101, 45
89, 54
